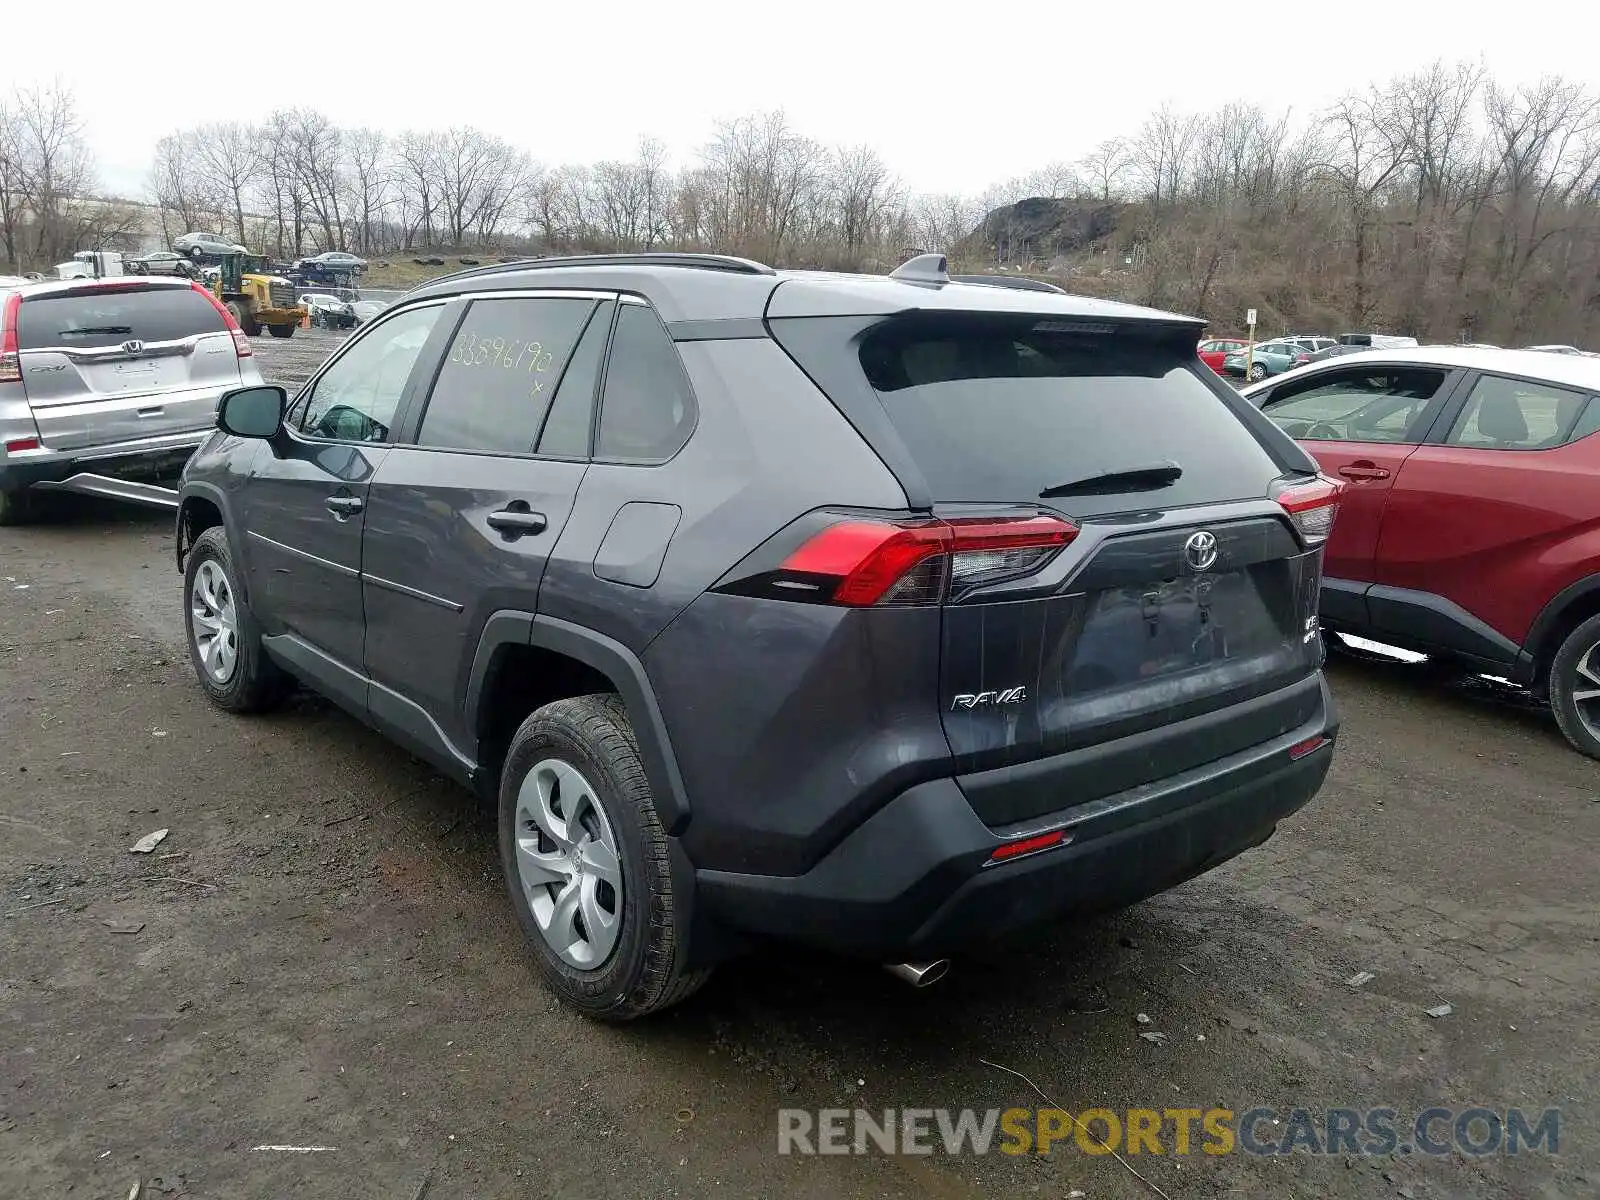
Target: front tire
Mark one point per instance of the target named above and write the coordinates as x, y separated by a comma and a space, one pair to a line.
587, 862
1257, 372
223, 637
1575, 687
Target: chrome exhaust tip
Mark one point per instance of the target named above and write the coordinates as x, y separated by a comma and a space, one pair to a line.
919, 975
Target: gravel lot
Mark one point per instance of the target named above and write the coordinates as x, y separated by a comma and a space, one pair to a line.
322, 957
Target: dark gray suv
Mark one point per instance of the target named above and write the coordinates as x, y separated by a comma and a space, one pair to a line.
883, 614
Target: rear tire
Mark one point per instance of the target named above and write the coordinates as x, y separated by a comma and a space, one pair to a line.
578, 760
1574, 672
214, 608
1256, 373
282, 331
18, 508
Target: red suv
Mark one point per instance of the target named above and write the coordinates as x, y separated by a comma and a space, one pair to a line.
1469, 528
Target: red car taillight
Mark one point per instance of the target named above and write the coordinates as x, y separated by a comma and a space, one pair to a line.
862, 563
10, 356
1312, 506
241, 343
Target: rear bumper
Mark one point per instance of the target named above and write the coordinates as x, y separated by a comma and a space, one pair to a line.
911, 881
142, 458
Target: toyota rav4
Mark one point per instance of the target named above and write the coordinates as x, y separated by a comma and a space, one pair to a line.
883, 614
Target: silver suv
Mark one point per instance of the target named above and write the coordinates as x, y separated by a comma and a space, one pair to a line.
120, 377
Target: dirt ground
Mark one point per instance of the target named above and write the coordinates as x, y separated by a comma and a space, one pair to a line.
319, 955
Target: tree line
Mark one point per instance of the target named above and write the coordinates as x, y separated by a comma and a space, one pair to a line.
1440, 203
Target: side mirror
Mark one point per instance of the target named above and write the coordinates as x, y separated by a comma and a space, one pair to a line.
252, 412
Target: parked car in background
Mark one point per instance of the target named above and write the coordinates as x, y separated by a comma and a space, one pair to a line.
329, 311
1268, 358
1212, 352
206, 245
1334, 351
367, 310
511, 522
338, 260
1376, 341
161, 262
118, 377
1470, 526
1310, 342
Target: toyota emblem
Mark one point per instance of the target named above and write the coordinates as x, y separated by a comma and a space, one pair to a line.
1201, 550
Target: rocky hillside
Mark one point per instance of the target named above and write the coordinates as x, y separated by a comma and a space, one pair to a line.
1040, 231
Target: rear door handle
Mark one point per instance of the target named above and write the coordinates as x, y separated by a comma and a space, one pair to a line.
513, 521
1358, 471
345, 506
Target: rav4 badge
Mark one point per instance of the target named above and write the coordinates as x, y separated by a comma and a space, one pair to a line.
1012, 695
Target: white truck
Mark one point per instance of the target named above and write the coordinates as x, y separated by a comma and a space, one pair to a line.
92, 264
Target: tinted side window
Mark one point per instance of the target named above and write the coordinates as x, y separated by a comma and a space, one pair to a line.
647, 412
1372, 404
1513, 414
101, 317
566, 429
1589, 423
354, 400
500, 374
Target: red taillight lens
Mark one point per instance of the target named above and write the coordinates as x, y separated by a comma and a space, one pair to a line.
1310, 746
10, 357
1311, 506
1028, 845
27, 443
917, 562
241, 343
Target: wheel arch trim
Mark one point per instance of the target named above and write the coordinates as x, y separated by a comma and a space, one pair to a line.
1537, 647
618, 664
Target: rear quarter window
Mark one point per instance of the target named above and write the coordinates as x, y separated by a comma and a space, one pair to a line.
104, 317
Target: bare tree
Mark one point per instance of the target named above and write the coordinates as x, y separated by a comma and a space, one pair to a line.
229, 162
53, 165
1106, 166
13, 192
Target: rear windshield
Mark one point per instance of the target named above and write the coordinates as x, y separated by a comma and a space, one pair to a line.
1007, 410
108, 318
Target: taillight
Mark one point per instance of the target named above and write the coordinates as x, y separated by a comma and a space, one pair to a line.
1311, 506
241, 343
10, 356
864, 563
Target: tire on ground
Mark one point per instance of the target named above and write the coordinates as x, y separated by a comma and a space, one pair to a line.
18, 508
1565, 679
640, 976
257, 683
282, 331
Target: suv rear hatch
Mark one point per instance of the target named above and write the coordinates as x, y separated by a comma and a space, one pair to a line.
107, 363
1126, 592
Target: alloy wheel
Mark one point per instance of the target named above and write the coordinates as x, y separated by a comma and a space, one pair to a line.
1586, 689
214, 621
569, 864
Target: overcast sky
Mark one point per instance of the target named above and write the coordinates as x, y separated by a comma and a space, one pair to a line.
955, 97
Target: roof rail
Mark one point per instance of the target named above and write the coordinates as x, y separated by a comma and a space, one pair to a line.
703, 262
1021, 282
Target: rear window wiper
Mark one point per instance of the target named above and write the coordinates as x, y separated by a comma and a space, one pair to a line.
1133, 479
93, 329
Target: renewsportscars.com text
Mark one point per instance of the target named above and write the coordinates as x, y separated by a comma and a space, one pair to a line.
1263, 1132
